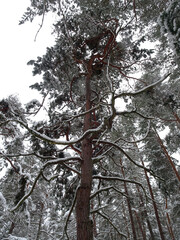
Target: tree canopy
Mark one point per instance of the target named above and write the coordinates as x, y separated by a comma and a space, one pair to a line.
96, 166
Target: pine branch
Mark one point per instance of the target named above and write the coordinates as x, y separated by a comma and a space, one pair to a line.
104, 216
69, 214
108, 178
54, 141
143, 89
106, 189
50, 162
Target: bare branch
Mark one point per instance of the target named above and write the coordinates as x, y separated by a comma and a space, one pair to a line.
106, 189
127, 155
107, 178
143, 89
54, 141
50, 162
44, 9
118, 147
28, 194
9, 160
133, 111
69, 214
49, 179
104, 216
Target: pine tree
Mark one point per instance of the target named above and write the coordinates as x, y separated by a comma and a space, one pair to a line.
82, 163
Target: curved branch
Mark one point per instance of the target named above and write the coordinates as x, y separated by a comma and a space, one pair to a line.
143, 89
12, 165
119, 148
54, 141
133, 111
138, 165
121, 180
49, 179
28, 194
136, 141
104, 216
106, 189
50, 162
41, 25
69, 214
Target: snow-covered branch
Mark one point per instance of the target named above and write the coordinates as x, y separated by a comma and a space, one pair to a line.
106, 189
69, 213
50, 162
58, 142
133, 111
28, 194
112, 224
109, 178
127, 155
143, 89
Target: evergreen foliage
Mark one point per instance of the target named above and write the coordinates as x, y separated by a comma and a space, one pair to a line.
96, 166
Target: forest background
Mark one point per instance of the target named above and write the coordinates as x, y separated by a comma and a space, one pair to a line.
94, 165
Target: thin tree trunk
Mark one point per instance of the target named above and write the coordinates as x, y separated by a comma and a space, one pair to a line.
145, 215
129, 205
167, 155
154, 205
11, 228
40, 222
169, 223
125, 220
176, 116
84, 224
153, 200
140, 226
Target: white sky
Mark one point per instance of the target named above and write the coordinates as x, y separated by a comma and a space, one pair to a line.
17, 47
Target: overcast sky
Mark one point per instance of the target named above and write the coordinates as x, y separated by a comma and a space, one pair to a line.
17, 47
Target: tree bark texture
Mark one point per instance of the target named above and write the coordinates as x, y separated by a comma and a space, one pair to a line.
84, 223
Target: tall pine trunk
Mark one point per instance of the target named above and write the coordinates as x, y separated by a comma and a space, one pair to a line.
84, 224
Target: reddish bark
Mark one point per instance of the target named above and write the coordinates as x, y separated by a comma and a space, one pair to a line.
154, 205
167, 155
153, 200
126, 222
11, 228
176, 116
169, 223
140, 226
129, 205
84, 224
145, 215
